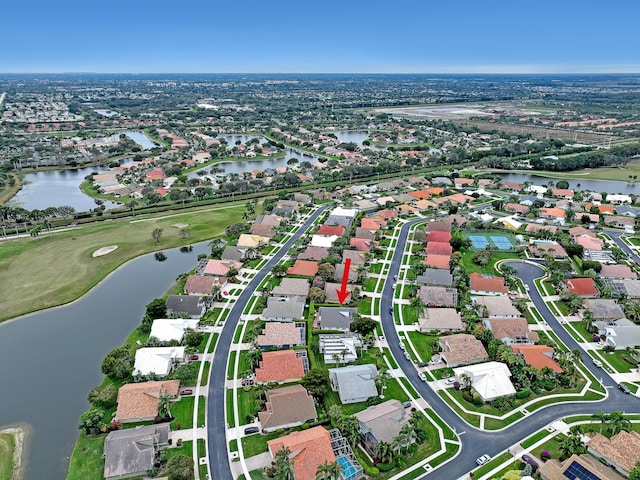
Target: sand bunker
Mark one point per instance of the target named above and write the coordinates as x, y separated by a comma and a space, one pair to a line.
104, 250
180, 225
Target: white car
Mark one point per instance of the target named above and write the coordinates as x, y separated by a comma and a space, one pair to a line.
597, 363
450, 380
422, 376
483, 459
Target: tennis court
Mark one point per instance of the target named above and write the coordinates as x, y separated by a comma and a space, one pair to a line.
495, 241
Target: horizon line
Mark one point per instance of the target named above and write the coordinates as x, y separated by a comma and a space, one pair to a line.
320, 73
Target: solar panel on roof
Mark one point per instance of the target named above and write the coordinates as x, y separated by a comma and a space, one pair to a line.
578, 472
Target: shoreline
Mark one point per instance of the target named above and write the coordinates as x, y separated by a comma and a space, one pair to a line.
21, 434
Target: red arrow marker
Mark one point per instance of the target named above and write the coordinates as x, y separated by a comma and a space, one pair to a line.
342, 293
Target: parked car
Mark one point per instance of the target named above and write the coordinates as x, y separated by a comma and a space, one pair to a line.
250, 430
186, 391
423, 364
194, 357
531, 461
597, 363
407, 356
483, 459
401, 344
624, 388
422, 376
450, 380
406, 404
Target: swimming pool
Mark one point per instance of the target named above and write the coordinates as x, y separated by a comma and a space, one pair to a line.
348, 469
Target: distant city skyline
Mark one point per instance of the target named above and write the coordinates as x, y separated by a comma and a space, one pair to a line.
330, 37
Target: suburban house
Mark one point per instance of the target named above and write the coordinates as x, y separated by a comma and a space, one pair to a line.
309, 449
552, 213
263, 230
138, 402
168, 329
246, 240
381, 423
583, 287
589, 243
486, 285
495, 307
232, 253
461, 349
604, 309
191, 305
292, 287
283, 309
220, 268
622, 335
434, 260
287, 407
436, 277
331, 291
440, 236
621, 451
491, 379
618, 271
303, 268
282, 334
356, 257
352, 275
536, 227
200, 284
441, 319
433, 296
538, 356
132, 452
331, 230
554, 250
282, 366
339, 348
158, 361
439, 248
355, 383
631, 287
314, 253
512, 331
335, 318
577, 467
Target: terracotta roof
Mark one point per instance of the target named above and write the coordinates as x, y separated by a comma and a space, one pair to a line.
385, 214
439, 248
617, 271
218, 268
437, 261
589, 243
462, 348
538, 356
200, 284
435, 190
581, 286
328, 230
309, 448
581, 231
279, 334
534, 227
456, 198
361, 244
279, 366
287, 405
370, 224
622, 449
303, 268
511, 328
516, 207
462, 181
552, 212
482, 283
542, 249
421, 194
140, 400
438, 236
512, 185
562, 192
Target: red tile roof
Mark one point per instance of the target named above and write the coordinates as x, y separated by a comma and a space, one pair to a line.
329, 230
439, 248
303, 268
371, 224
201, 284
481, 283
309, 449
439, 236
437, 261
279, 366
581, 286
538, 356
421, 194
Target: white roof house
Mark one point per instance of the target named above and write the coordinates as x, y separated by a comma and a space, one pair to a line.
167, 329
345, 212
157, 360
323, 241
490, 379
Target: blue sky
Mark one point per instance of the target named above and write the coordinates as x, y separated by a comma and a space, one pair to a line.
480, 36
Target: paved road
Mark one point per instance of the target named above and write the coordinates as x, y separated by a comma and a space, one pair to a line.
615, 236
217, 440
476, 442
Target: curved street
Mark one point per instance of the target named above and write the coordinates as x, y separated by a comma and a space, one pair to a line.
474, 442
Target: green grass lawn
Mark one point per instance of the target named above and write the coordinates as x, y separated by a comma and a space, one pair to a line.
86, 460
7, 448
495, 461
202, 410
552, 446
182, 412
620, 360
257, 444
421, 342
409, 314
27, 265
205, 373
579, 327
364, 306
246, 405
471, 267
634, 241
229, 408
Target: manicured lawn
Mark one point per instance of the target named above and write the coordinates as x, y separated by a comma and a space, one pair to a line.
581, 331
257, 444
552, 446
86, 460
182, 412
394, 390
231, 365
364, 306
246, 406
255, 475
7, 447
229, 408
422, 342
617, 360
534, 438
205, 373
495, 462
471, 267
202, 409
409, 315
634, 241
332, 398
27, 265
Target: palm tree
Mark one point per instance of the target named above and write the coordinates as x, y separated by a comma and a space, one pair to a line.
384, 452
418, 304
163, 407
350, 428
283, 466
328, 471
465, 378
587, 318
618, 422
254, 356
571, 445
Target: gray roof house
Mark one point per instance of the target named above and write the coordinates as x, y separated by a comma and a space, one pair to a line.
335, 318
283, 309
381, 423
604, 309
622, 336
292, 287
132, 452
355, 383
435, 276
433, 296
192, 305
233, 253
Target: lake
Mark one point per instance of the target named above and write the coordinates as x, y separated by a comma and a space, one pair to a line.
352, 137
55, 188
50, 360
608, 186
141, 139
